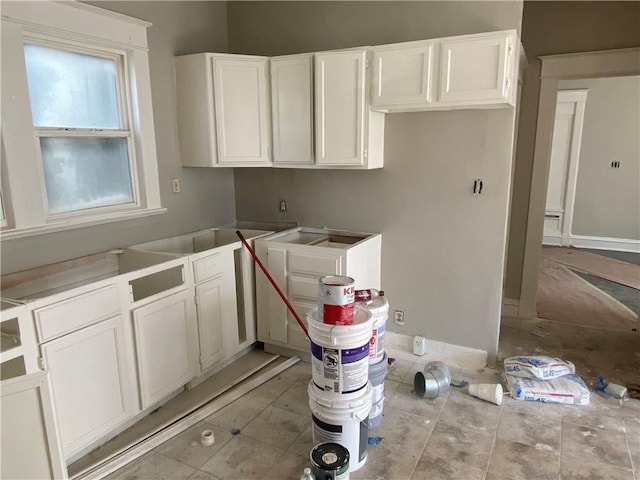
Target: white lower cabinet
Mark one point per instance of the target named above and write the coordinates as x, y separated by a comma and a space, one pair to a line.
166, 346
90, 389
296, 259
210, 304
29, 438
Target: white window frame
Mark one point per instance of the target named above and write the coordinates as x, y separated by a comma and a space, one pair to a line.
82, 28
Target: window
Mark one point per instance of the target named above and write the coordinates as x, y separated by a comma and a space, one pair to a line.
77, 121
81, 129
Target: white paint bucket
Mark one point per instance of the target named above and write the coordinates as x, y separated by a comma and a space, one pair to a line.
340, 354
342, 421
379, 308
377, 373
336, 297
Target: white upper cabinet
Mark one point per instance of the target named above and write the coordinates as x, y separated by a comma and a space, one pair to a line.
223, 110
348, 134
403, 74
467, 71
478, 69
292, 110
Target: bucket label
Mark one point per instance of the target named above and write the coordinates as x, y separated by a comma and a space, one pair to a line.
340, 370
336, 300
376, 344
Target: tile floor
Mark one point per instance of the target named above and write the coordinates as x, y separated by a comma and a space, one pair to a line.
455, 436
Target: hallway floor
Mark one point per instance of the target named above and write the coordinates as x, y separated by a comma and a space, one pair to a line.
455, 436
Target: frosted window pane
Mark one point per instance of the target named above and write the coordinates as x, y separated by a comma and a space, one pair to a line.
71, 89
85, 172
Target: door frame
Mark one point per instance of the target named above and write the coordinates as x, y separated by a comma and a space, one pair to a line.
607, 63
578, 98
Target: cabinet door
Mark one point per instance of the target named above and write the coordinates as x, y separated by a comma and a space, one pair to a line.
403, 75
91, 393
166, 346
292, 109
242, 111
30, 442
217, 320
476, 68
340, 87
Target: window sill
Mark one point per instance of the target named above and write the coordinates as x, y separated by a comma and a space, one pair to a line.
78, 223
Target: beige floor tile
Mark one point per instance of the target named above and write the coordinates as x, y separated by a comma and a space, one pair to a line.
237, 414
545, 411
186, 446
276, 426
398, 369
600, 413
445, 470
243, 458
303, 444
633, 439
470, 412
202, 476
404, 437
295, 399
405, 399
524, 427
598, 445
153, 466
453, 451
594, 471
520, 461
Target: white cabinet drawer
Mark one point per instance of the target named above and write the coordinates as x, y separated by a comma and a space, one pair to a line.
207, 267
314, 264
76, 312
303, 288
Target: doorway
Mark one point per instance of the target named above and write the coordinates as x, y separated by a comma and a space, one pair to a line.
616, 353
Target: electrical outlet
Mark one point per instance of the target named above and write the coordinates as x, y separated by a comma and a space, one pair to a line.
283, 205
398, 317
175, 185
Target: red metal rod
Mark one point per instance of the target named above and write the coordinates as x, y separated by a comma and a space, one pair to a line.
273, 282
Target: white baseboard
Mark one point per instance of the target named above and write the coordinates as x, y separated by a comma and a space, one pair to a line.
553, 240
400, 346
606, 243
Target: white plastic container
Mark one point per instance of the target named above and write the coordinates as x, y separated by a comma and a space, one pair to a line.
342, 421
340, 354
377, 373
379, 309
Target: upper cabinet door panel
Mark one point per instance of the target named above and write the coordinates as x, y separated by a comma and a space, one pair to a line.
475, 68
403, 74
241, 106
340, 107
292, 109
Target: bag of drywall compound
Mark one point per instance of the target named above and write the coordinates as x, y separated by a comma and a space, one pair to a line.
538, 367
569, 389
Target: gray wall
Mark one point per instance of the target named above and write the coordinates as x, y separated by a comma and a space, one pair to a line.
550, 28
207, 196
607, 199
443, 248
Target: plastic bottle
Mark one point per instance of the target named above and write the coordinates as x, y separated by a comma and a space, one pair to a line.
307, 475
368, 294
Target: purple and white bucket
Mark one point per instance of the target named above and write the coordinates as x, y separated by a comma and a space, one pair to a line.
340, 354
